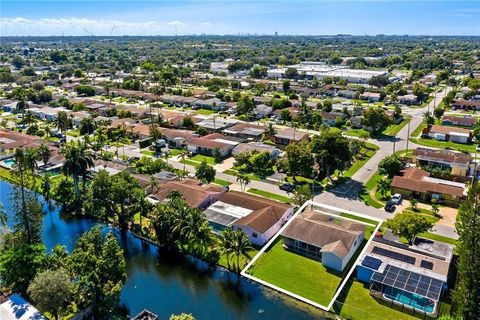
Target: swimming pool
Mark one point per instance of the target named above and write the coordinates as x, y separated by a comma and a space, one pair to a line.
410, 299
8, 163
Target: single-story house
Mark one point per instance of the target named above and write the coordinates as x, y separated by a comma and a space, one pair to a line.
330, 118
257, 146
349, 94
289, 135
196, 194
465, 104
245, 131
329, 239
370, 96
209, 143
453, 134
262, 110
210, 104
110, 166
213, 124
176, 138
408, 99
417, 183
459, 163
393, 270
293, 112
464, 121
258, 217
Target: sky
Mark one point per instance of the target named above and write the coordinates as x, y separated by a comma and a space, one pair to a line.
181, 17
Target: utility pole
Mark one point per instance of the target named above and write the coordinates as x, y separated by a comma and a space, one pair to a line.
408, 137
394, 141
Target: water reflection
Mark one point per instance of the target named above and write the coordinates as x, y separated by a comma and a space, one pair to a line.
170, 284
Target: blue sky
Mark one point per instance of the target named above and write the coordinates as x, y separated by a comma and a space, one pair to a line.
136, 17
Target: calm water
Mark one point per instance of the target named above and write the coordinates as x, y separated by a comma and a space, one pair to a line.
169, 287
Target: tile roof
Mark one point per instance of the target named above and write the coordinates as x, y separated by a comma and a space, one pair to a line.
442, 155
448, 130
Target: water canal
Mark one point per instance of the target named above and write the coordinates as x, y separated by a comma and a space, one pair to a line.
170, 287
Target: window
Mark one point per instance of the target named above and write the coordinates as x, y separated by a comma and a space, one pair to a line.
255, 235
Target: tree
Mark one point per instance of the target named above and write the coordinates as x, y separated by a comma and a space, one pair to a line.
383, 186
332, 151
50, 291
245, 105
299, 159
420, 91
408, 225
87, 125
378, 81
302, 194
435, 209
243, 179
44, 154
285, 115
77, 161
286, 85
438, 112
467, 289
413, 204
85, 90
390, 165
224, 243
427, 117
19, 265
18, 62
291, 73
376, 120
62, 122
205, 172
240, 247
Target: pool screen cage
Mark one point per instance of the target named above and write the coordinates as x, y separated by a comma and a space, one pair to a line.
394, 279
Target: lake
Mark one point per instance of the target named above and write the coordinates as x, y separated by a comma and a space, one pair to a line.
168, 287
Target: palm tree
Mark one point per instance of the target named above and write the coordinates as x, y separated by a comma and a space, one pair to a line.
183, 153
3, 216
22, 104
28, 118
62, 122
87, 125
44, 154
77, 161
225, 239
243, 179
101, 138
141, 205
383, 186
240, 247
153, 184
47, 130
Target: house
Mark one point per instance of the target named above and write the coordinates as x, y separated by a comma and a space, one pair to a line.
212, 143
140, 131
465, 104
17, 308
258, 217
393, 271
10, 140
289, 135
210, 104
370, 96
214, 124
445, 133
257, 146
330, 118
245, 131
176, 138
417, 183
465, 121
408, 99
110, 166
349, 94
331, 240
294, 111
262, 110
8, 105
196, 194
459, 163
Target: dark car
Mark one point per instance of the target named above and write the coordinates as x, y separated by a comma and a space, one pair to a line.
390, 207
288, 187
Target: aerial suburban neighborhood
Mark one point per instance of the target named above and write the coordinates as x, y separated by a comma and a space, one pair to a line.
195, 170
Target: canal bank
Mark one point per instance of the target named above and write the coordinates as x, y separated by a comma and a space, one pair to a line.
170, 285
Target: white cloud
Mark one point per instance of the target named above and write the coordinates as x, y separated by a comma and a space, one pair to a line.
20, 26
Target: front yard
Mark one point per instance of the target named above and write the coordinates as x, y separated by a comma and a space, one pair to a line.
445, 144
269, 195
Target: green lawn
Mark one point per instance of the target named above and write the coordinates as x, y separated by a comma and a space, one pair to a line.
231, 263
222, 182
418, 130
354, 217
73, 133
205, 112
233, 172
269, 195
369, 188
201, 158
359, 304
190, 162
357, 132
358, 163
395, 128
148, 152
440, 238
296, 273
175, 152
444, 144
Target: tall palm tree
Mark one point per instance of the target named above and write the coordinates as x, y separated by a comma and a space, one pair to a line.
183, 154
28, 118
240, 247
62, 122
243, 179
153, 184
44, 154
224, 244
22, 103
77, 161
87, 125
383, 186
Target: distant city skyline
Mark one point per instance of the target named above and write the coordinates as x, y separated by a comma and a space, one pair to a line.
137, 17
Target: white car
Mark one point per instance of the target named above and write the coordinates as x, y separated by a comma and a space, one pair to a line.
396, 198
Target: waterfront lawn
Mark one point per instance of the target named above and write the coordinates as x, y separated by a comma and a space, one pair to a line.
355, 302
230, 263
445, 144
296, 273
269, 195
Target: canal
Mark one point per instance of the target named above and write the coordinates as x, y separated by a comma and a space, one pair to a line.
168, 287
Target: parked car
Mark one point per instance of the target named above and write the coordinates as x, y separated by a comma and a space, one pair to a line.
390, 207
478, 148
396, 198
288, 187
